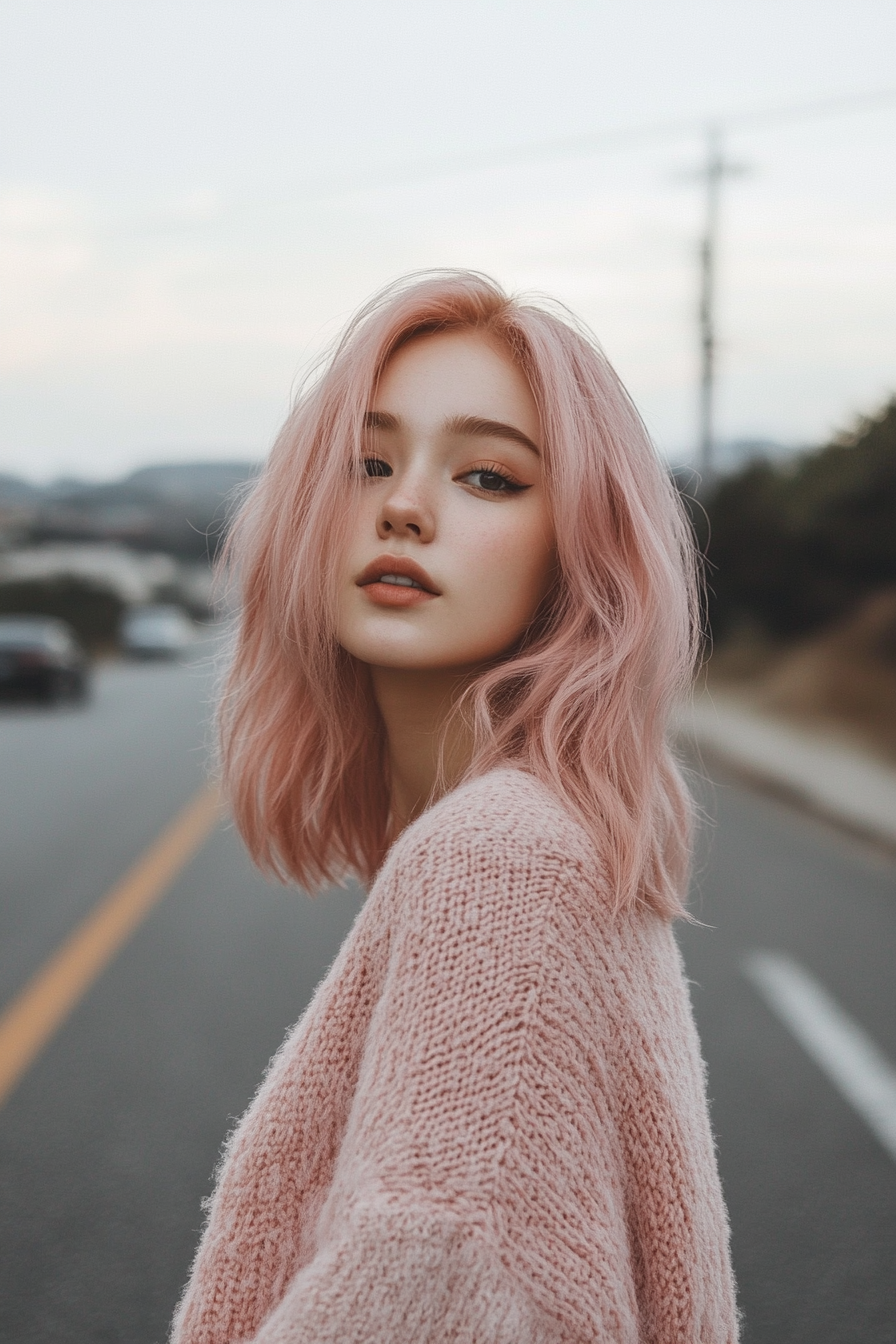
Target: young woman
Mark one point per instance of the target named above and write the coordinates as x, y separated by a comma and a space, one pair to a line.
467, 608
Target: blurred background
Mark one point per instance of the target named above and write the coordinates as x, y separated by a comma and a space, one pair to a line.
193, 199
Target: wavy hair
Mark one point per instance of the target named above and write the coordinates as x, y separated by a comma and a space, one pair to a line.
582, 702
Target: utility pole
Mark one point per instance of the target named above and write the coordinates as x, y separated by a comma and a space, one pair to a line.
715, 169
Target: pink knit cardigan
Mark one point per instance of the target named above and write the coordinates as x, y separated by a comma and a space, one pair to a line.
490, 1124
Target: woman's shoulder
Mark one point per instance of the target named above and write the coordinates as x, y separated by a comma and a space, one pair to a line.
507, 806
499, 824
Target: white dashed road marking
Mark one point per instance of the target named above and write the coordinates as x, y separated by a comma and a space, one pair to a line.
841, 1048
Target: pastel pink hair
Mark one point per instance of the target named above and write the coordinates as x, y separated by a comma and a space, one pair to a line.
582, 702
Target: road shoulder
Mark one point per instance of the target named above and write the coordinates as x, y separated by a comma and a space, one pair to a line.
819, 769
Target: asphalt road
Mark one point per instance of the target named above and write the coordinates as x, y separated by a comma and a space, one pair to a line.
108, 1142
811, 1191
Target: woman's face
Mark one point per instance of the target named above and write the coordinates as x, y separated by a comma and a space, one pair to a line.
451, 549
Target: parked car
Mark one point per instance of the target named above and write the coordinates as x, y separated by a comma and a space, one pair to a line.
41, 658
156, 632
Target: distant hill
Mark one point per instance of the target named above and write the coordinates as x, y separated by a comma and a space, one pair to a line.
181, 481
14, 491
191, 480
732, 455
178, 507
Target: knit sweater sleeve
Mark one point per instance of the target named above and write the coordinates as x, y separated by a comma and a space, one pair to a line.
474, 1197
515, 1151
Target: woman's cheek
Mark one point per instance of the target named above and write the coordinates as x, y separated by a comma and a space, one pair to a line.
507, 571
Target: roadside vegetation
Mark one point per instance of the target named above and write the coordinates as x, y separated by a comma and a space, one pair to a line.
801, 580
86, 553
92, 610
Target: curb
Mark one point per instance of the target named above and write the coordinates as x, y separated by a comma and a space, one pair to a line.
819, 771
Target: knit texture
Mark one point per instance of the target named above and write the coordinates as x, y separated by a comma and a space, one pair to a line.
490, 1125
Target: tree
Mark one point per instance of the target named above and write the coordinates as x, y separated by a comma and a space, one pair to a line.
93, 611
796, 546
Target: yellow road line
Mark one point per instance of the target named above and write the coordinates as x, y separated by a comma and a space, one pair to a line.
46, 1001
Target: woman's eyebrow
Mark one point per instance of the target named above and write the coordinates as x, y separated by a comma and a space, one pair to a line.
381, 420
472, 425
490, 429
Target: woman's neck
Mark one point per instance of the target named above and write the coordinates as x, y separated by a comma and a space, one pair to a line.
415, 705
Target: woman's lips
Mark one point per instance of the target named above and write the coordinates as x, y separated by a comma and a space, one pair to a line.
393, 595
394, 581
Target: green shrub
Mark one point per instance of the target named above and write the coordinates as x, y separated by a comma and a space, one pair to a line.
92, 610
794, 546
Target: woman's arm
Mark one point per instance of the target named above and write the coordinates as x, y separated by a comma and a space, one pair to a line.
478, 1191
278, 1163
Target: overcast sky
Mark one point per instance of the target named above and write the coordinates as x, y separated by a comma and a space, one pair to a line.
194, 196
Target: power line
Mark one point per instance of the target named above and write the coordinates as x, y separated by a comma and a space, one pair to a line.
583, 146
713, 173
576, 146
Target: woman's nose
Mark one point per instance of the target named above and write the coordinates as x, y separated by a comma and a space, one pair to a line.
406, 512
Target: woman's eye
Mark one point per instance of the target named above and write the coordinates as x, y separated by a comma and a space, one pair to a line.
493, 482
375, 466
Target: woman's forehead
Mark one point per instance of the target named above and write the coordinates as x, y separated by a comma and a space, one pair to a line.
449, 375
